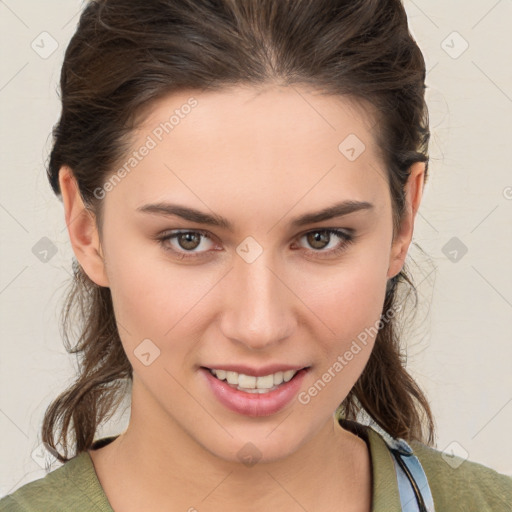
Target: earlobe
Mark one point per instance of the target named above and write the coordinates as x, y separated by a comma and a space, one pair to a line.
82, 229
413, 194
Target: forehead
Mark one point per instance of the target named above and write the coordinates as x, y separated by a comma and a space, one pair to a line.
255, 147
277, 112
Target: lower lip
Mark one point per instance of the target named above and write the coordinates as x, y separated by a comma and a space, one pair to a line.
255, 404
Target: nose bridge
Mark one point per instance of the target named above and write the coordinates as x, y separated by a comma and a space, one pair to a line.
258, 311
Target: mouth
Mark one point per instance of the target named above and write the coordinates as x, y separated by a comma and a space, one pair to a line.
256, 384
251, 395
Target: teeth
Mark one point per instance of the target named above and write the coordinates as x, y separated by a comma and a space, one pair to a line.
248, 382
287, 375
263, 382
221, 374
232, 377
254, 384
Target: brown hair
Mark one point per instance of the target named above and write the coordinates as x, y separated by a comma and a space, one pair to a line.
125, 54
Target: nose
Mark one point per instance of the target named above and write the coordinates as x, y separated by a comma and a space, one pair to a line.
258, 306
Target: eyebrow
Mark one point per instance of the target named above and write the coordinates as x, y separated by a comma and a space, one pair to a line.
199, 217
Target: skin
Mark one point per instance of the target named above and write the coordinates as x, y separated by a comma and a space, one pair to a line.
260, 158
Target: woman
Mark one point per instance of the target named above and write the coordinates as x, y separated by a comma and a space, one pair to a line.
240, 181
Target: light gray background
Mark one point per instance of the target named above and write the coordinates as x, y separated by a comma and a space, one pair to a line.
460, 346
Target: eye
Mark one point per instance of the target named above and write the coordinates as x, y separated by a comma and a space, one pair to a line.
185, 242
320, 239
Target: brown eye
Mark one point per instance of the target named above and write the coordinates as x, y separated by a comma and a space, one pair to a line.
184, 244
327, 242
318, 239
189, 240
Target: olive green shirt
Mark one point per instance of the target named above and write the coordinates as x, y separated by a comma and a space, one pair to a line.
467, 487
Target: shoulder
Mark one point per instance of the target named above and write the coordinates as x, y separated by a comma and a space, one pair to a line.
459, 484
72, 486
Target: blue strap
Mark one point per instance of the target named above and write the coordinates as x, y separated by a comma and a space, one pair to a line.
407, 497
415, 494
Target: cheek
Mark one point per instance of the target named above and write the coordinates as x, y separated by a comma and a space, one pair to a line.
151, 298
349, 302
351, 306
171, 306
152, 301
348, 299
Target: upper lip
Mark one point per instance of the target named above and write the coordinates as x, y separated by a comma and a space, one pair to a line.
256, 372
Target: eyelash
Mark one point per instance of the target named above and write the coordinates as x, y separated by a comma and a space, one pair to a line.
347, 239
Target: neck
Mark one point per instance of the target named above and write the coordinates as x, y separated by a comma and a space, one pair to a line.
156, 465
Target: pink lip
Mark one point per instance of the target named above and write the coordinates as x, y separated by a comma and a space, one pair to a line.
255, 372
251, 404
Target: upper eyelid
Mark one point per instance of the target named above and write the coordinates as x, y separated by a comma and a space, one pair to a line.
207, 234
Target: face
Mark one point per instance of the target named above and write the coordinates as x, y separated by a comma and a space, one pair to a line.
252, 278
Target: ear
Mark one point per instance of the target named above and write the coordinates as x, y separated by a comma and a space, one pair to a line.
413, 194
82, 229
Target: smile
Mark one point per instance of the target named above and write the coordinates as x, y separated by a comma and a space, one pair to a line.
252, 384
244, 395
